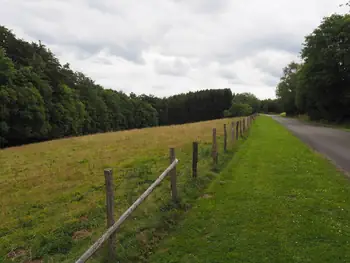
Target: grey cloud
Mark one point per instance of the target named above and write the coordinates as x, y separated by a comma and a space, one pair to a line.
266, 66
85, 48
102, 6
250, 47
222, 33
279, 41
175, 67
205, 6
231, 77
270, 81
132, 51
104, 61
158, 87
238, 82
227, 74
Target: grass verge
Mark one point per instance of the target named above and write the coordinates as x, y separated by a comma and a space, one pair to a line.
52, 204
277, 201
324, 123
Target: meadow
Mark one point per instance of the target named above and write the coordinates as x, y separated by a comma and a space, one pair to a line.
52, 204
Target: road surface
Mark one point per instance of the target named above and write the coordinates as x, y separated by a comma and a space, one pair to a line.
333, 143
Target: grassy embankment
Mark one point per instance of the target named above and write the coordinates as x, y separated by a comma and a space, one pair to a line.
276, 201
52, 204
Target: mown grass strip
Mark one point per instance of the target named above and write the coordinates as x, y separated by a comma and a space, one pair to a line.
277, 201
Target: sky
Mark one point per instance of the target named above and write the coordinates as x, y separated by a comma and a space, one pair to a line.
166, 47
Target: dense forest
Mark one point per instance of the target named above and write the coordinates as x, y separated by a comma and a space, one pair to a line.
319, 86
40, 99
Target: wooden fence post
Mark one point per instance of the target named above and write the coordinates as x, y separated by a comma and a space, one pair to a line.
214, 148
173, 175
225, 138
110, 212
244, 128
240, 128
237, 131
232, 132
194, 159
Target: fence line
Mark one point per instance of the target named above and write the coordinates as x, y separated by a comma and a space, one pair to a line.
88, 253
242, 125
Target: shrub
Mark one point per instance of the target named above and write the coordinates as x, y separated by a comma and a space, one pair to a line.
283, 114
238, 109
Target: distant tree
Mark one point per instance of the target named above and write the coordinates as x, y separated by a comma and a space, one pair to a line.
239, 109
161, 106
247, 98
192, 106
270, 106
243, 104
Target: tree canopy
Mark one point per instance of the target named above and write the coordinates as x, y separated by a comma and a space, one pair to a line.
320, 85
40, 99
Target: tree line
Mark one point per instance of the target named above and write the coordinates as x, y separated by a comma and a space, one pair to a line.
319, 86
40, 99
244, 104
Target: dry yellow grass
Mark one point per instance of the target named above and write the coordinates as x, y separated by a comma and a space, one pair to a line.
48, 185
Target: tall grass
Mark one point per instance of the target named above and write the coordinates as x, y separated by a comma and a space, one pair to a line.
52, 204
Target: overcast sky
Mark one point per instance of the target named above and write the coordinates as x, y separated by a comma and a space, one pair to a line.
165, 47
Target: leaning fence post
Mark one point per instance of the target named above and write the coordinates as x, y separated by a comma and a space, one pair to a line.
110, 212
214, 148
225, 138
173, 175
194, 159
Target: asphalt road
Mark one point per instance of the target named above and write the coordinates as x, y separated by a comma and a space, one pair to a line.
333, 143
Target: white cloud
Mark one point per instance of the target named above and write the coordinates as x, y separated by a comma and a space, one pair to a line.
164, 47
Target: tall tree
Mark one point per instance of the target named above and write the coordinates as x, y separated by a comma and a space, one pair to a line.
286, 89
324, 90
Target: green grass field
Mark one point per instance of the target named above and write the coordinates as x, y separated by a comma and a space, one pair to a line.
52, 204
277, 201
